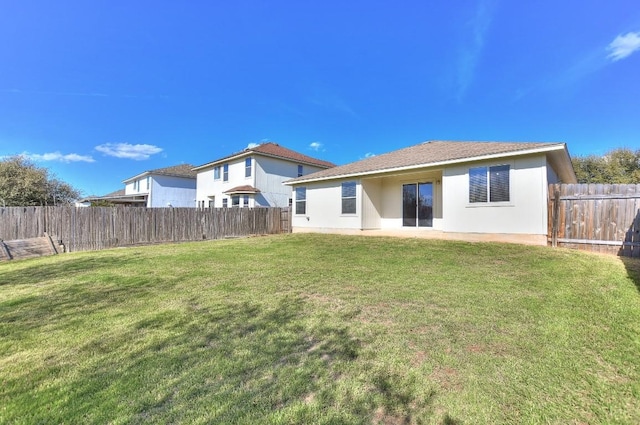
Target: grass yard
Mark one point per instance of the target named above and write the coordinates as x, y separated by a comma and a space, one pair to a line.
321, 329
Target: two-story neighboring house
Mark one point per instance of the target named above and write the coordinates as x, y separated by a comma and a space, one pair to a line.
160, 188
253, 177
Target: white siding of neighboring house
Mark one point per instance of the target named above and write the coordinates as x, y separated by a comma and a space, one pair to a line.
208, 188
129, 188
270, 173
178, 192
267, 175
526, 213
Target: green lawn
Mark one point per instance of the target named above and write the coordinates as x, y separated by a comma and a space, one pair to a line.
321, 329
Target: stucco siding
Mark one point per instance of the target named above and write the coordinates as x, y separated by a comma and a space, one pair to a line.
324, 207
525, 213
392, 195
371, 203
172, 191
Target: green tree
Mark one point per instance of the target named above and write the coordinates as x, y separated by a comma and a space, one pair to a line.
22, 183
618, 166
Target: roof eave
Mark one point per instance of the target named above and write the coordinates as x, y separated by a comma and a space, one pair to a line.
145, 173
544, 149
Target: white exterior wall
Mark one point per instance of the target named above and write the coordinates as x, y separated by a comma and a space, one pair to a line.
324, 207
392, 196
177, 192
207, 187
371, 203
270, 173
526, 213
380, 202
267, 175
143, 186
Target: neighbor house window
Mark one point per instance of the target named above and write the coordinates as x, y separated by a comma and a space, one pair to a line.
247, 167
245, 201
212, 203
148, 182
136, 185
300, 171
216, 173
225, 203
225, 173
301, 200
235, 201
489, 184
349, 198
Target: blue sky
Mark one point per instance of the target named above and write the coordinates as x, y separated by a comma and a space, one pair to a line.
98, 91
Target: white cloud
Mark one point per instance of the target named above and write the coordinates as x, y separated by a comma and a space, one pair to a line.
623, 46
253, 145
57, 156
369, 154
128, 151
315, 146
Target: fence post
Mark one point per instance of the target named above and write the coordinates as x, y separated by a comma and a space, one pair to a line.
555, 219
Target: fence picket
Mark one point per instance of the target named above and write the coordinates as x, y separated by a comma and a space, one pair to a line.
94, 228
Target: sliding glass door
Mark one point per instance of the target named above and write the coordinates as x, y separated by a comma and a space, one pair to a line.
417, 205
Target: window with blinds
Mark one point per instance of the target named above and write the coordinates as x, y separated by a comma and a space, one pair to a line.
489, 184
301, 200
349, 198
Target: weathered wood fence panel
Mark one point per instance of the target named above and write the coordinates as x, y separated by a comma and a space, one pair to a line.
95, 228
595, 217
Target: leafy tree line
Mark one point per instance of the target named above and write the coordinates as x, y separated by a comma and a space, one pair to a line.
22, 183
618, 166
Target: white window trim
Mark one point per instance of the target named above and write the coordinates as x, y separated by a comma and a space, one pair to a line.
295, 201
343, 214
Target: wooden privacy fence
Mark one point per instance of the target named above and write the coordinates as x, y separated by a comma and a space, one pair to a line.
95, 228
595, 217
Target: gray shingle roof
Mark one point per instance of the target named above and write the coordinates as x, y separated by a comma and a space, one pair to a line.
424, 154
181, 170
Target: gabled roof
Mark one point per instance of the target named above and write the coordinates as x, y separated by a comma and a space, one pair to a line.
272, 150
181, 170
437, 153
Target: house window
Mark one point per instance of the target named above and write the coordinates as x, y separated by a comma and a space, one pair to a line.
148, 182
136, 185
300, 171
216, 173
301, 200
225, 173
225, 203
235, 201
245, 201
489, 184
212, 203
247, 167
349, 198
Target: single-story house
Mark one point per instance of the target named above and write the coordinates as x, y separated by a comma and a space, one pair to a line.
468, 190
